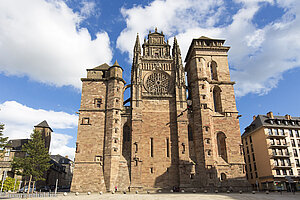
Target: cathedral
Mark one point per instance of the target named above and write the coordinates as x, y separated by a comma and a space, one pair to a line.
179, 131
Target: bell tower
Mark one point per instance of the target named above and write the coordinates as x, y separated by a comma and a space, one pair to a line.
213, 119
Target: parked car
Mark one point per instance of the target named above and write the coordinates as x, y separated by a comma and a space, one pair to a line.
44, 189
25, 189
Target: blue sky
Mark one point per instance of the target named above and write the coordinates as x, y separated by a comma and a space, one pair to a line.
46, 45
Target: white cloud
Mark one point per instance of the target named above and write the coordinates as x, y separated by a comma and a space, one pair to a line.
43, 40
59, 145
20, 120
88, 8
169, 16
259, 56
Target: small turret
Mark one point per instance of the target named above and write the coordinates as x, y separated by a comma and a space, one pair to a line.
176, 49
46, 131
137, 46
116, 71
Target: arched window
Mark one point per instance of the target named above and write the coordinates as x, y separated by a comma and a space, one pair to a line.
223, 177
217, 99
190, 133
222, 151
213, 70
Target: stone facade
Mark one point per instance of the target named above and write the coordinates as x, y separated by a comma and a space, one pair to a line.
158, 142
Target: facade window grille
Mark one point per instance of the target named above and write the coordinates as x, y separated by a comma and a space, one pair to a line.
278, 172
280, 132
284, 172
291, 133
295, 152
293, 143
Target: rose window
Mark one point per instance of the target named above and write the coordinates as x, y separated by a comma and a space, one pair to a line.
157, 83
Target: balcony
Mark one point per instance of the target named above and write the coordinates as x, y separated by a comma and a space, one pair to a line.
276, 136
277, 145
286, 166
279, 155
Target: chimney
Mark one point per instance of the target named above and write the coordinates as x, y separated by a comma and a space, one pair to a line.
288, 117
254, 117
270, 115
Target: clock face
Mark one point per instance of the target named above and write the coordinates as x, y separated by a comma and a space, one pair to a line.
157, 83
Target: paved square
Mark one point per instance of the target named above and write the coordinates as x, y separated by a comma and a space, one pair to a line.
178, 196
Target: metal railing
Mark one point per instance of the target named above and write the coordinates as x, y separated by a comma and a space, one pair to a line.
25, 195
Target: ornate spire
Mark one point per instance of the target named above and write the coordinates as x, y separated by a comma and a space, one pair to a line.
176, 49
137, 46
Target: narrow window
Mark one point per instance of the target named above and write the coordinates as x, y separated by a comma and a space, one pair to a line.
151, 170
223, 176
222, 151
85, 121
209, 152
213, 70
217, 99
98, 102
168, 147
77, 150
151, 147
192, 176
136, 147
183, 148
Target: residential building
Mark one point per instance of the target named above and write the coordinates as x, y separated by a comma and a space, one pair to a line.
271, 146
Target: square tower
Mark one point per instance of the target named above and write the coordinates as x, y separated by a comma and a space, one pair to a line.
214, 125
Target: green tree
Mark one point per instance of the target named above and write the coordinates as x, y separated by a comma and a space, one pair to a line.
9, 184
36, 161
3, 140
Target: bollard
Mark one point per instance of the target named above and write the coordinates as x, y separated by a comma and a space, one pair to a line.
216, 191
171, 191
182, 191
148, 192
267, 192
65, 194
113, 192
253, 192
124, 192
88, 193
241, 192
159, 191
194, 191
205, 191
136, 192
228, 191
76, 193
100, 192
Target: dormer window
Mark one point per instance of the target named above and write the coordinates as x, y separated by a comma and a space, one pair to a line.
293, 123
271, 121
278, 122
285, 122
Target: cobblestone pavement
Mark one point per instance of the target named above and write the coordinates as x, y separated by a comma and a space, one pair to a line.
177, 196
